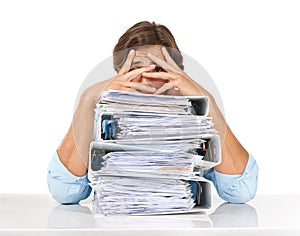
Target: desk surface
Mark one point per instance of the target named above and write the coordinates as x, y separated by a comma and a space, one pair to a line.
38, 214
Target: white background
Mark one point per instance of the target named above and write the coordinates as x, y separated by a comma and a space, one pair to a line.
251, 50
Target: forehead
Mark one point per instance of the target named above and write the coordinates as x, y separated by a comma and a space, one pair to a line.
141, 55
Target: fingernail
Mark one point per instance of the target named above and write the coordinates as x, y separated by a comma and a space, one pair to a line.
131, 51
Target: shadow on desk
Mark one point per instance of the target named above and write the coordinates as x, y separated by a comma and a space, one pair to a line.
226, 215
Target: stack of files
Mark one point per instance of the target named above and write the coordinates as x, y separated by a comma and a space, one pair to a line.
129, 195
154, 127
146, 151
152, 117
137, 102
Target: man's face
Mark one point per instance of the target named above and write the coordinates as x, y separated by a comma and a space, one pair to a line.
141, 60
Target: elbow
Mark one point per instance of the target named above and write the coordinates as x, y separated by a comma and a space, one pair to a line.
240, 192
242, 188
239, 196
67, 193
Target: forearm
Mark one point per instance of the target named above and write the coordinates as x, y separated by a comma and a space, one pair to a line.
234, 155
74, 149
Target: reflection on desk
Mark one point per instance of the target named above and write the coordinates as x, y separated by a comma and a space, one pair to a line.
226, 215
38, 214
234, 215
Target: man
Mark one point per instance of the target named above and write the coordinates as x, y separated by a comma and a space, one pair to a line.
155, 66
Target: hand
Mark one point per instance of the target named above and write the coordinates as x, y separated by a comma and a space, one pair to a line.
177, 81
175, 78
127, 80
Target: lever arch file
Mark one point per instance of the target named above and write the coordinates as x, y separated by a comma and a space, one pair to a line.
149, 153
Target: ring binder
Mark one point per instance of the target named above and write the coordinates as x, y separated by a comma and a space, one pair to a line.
142, 158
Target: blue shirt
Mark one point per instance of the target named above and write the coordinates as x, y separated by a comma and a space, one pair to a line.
70, 189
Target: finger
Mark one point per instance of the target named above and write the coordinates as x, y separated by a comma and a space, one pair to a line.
134, 74
164, 88
160, 62
130, 90
139, 86
173, 92
168, 58
129, 77
159, 75
127, 65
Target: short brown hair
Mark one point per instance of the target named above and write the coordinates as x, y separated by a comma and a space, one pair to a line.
142, 34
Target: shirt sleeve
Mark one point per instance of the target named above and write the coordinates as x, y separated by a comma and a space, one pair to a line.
239, 188
65, 187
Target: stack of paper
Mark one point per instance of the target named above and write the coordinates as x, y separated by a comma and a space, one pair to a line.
166, 164
137, 102
128, 195
154, 127
146, 150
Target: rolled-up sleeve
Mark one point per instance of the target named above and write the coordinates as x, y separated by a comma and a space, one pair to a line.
65, 187
239, 188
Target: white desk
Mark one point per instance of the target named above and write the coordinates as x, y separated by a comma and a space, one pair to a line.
40, 215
